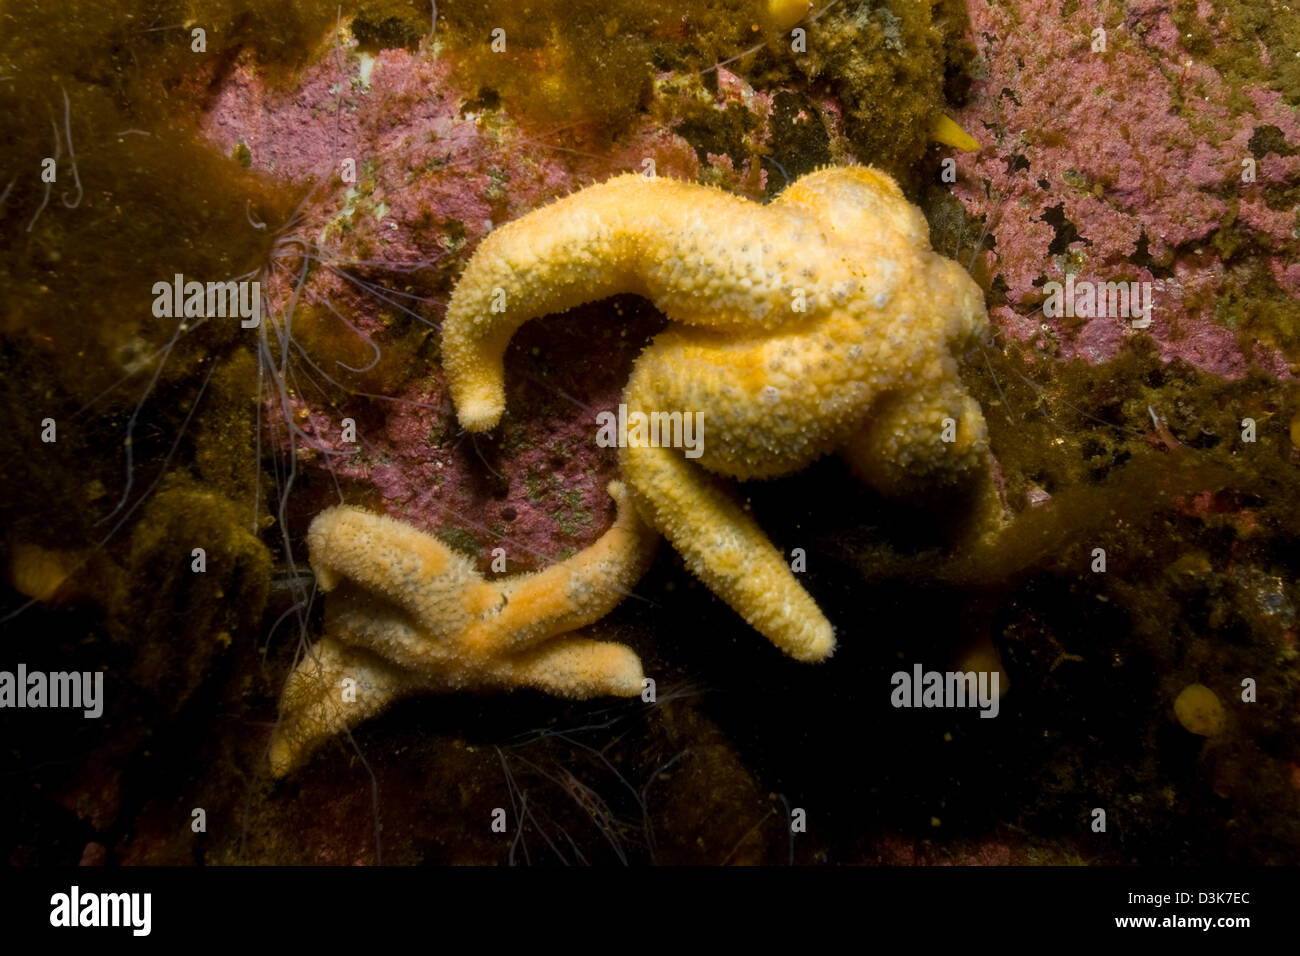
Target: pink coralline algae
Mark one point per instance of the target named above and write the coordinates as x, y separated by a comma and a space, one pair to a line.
1125, 164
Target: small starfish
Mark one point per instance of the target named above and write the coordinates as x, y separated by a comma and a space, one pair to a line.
406, 614
821, 322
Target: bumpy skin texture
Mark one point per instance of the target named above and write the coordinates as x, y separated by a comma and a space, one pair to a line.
406, 614
820, 322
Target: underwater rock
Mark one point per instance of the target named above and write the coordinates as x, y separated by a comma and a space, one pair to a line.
1128, 169
196, 576
402, 169
1148, 166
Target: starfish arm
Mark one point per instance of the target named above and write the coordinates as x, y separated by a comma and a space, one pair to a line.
313, 706
577, 667
575, 592
920, 439
703, 256
361, 619
861, 205
902, 452
399, 563
727, 550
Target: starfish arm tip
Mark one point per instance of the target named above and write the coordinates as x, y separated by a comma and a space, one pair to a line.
480, 413
812, 643
580, 668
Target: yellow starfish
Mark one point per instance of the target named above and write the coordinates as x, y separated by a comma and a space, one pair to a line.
406, 614
820, 322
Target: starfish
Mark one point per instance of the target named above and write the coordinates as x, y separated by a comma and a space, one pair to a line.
821, 322
406, 614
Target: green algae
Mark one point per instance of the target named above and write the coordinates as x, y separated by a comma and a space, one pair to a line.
229, 425
145, 200
571, 518
566, 506
1198, 528
800, 137
390, 23
893, 66
1260, 311
1152, 497
725, 132
1235, 53
461, 539
592, 61
1075, 425
155, 200
199, 612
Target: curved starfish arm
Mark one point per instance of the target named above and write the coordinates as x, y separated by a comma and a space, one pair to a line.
703, 256
577, 667
358, 618
573, 593
920, 439
413, 570
727, 550
859, 204
316, 704
931, 444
